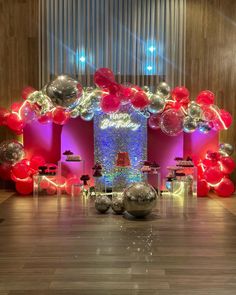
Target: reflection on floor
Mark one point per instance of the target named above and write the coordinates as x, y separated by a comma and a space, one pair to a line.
62, 246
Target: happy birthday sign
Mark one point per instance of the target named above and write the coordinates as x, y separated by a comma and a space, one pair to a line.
119, 120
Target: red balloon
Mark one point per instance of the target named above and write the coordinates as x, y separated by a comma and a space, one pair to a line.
180, 94
44, 184
60, 116
45, 119
227, 164
226, 188
114, 88
37, 161
213, 175
140, 100
16, 106
15, 123
126, 93
49, 166
3, 116
69, 184
154, 121
205, 97
104, 77
203, 188
5, 171
223, 121
27, 91
110, 103
21, 170
51, 190
24, 187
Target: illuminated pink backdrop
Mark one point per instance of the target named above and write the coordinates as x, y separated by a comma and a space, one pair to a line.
77, 135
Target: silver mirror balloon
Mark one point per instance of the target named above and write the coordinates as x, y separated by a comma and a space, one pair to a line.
102, 203
140, 199
86, 115
204, 127
157, 104
226, 149
64, 91
195, 111
11, 152
163, 89
189, 124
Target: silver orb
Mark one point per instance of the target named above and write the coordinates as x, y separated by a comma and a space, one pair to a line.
64, 91
145, 88
226, 149
189, 124
163, 89
204, 127
11, 152
102, 203
117, 204
139, 199
86, 115
195, 111
157, 104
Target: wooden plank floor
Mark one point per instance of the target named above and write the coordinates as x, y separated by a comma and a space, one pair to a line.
50, 247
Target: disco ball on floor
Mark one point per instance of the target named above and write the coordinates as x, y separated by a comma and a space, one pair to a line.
139, 199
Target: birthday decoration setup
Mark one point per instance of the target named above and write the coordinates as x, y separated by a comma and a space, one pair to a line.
126, 108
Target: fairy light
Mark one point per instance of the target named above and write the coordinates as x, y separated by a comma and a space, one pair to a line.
219, 117
53, 183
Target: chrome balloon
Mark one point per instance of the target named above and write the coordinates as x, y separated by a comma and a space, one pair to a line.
194, 110
102, 203
86, 115
75, 112
157, 104
146, 89
204, 127
64, 91
11, 151
163, 89
117, 204
189, 124
226, 149
139, 199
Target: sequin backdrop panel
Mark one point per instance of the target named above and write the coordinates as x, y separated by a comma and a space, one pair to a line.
113, 139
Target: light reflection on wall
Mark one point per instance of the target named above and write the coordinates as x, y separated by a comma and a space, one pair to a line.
110, 141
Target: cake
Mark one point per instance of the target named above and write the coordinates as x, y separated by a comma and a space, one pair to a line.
122, 159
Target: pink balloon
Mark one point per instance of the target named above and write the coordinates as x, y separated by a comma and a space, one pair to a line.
104, 77
60, 116
227, 164
226, 188
140, 100
213, 175
203, 188
27, 113
205, 97
180, 94
154, 121
110, 103
5, 171
27, 91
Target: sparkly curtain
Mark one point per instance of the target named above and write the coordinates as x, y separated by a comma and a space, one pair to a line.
142, 41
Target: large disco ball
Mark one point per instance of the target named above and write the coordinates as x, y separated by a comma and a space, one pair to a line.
172, 122
139, 199
102, 203
11, 152
64, 91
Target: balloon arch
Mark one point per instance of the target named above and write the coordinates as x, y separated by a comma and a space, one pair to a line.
166, 109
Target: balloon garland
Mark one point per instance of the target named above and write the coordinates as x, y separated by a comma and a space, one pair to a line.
169, 110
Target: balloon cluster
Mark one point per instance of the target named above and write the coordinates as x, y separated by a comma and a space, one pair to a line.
16, 166
64, 98
214, 171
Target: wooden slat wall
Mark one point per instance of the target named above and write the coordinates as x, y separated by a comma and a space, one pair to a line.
18, 50
211, 54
